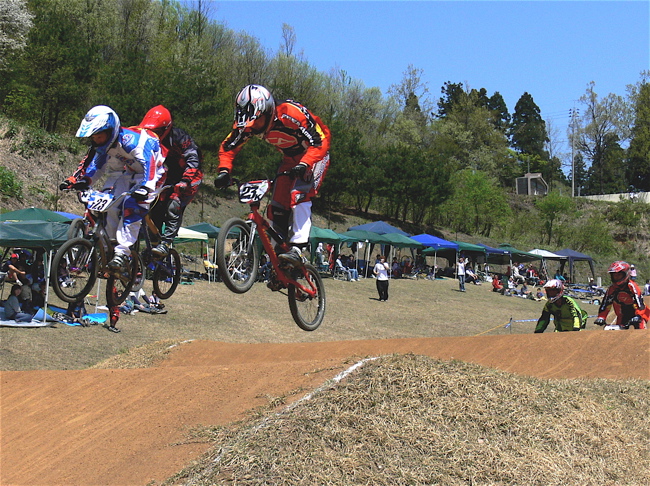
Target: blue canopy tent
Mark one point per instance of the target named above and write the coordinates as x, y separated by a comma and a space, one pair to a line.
379, 227
496, 255
435, 246
573, 257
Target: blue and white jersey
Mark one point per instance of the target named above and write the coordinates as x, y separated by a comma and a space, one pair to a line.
135, 154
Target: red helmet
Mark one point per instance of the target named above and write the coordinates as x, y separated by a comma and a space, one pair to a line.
254, 109
622, 267
158, 120
556, 288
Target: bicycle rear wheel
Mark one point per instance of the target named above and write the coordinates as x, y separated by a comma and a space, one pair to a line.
167, 274
237, 256
308, 312
74, 270
119, 286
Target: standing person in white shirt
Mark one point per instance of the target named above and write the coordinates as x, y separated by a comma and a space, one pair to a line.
460, 272
381, 272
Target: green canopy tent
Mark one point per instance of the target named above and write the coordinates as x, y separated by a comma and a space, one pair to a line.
368, 238
321, 235
34, 214
47, 235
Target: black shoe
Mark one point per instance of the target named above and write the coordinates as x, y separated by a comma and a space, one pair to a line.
293, 257
114, 329
118, 263
161, 250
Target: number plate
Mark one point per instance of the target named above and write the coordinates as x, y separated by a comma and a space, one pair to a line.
253, 191
97, 201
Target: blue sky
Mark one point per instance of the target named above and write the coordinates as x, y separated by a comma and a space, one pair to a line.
550, 49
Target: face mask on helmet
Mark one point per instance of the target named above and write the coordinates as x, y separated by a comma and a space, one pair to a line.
254, 109
100, 119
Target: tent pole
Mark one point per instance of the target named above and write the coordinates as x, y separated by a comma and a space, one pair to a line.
47, 283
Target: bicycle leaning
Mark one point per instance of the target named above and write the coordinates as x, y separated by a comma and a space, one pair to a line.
238, 259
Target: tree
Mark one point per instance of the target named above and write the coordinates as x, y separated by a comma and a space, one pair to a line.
552, 207
528, 129
501, 117
604, 125
15, 23
477, 203
638, 166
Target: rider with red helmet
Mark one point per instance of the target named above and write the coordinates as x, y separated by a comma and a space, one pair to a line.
625, 296
304, 141
567, 314
183, 160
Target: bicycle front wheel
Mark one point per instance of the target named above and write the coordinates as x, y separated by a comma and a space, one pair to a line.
74, 270
307, 311
167, 274
140, 275
118, 286
237, 256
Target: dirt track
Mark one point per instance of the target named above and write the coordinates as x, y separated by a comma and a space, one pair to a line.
122, 427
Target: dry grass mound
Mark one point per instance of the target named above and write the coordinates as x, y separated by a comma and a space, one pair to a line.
413, 420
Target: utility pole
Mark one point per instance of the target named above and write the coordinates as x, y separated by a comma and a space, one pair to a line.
573, 112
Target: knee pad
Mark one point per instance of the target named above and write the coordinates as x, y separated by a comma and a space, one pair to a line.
174, 208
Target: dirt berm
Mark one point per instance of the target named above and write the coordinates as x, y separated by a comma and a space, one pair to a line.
128, 426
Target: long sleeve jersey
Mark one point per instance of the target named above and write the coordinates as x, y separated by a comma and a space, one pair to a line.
295, 131
627, 302
567, 316
134, 153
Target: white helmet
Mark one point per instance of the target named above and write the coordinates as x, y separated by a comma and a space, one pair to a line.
98, 119
555, 284
254, 109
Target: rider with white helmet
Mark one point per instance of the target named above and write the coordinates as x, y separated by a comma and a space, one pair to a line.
304, 141
567, 314
132, 161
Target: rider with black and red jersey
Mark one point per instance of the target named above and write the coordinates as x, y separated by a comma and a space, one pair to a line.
625, 296
183, 160
304, 141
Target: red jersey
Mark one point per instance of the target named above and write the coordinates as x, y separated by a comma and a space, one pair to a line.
295, 131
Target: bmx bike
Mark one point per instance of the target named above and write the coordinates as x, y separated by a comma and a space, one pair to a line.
85, 256
238, 259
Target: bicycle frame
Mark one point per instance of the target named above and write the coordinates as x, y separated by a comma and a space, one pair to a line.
266, 232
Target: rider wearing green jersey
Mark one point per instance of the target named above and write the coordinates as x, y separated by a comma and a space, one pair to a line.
567, 314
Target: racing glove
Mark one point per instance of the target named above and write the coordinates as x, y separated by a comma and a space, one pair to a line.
140, 193
600, 321
182, 187
222, 180
635, 322
298, 172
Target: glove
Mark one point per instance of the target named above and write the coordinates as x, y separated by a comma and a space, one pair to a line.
600, 321
81, 186
222, 180
140, 193
66, 184
635, 322
298, 172
181, 187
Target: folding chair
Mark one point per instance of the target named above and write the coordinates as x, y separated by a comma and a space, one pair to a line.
210, 270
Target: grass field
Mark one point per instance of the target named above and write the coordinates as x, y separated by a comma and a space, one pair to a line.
416, 308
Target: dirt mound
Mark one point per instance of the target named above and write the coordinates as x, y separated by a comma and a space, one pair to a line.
128, 426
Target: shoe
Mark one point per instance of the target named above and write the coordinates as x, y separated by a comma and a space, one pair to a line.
162, 250
118, 263
293, 257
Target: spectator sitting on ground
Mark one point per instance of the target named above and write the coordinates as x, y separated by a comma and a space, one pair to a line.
497, 286
13, 308
523, 291
540, 295
471, 277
